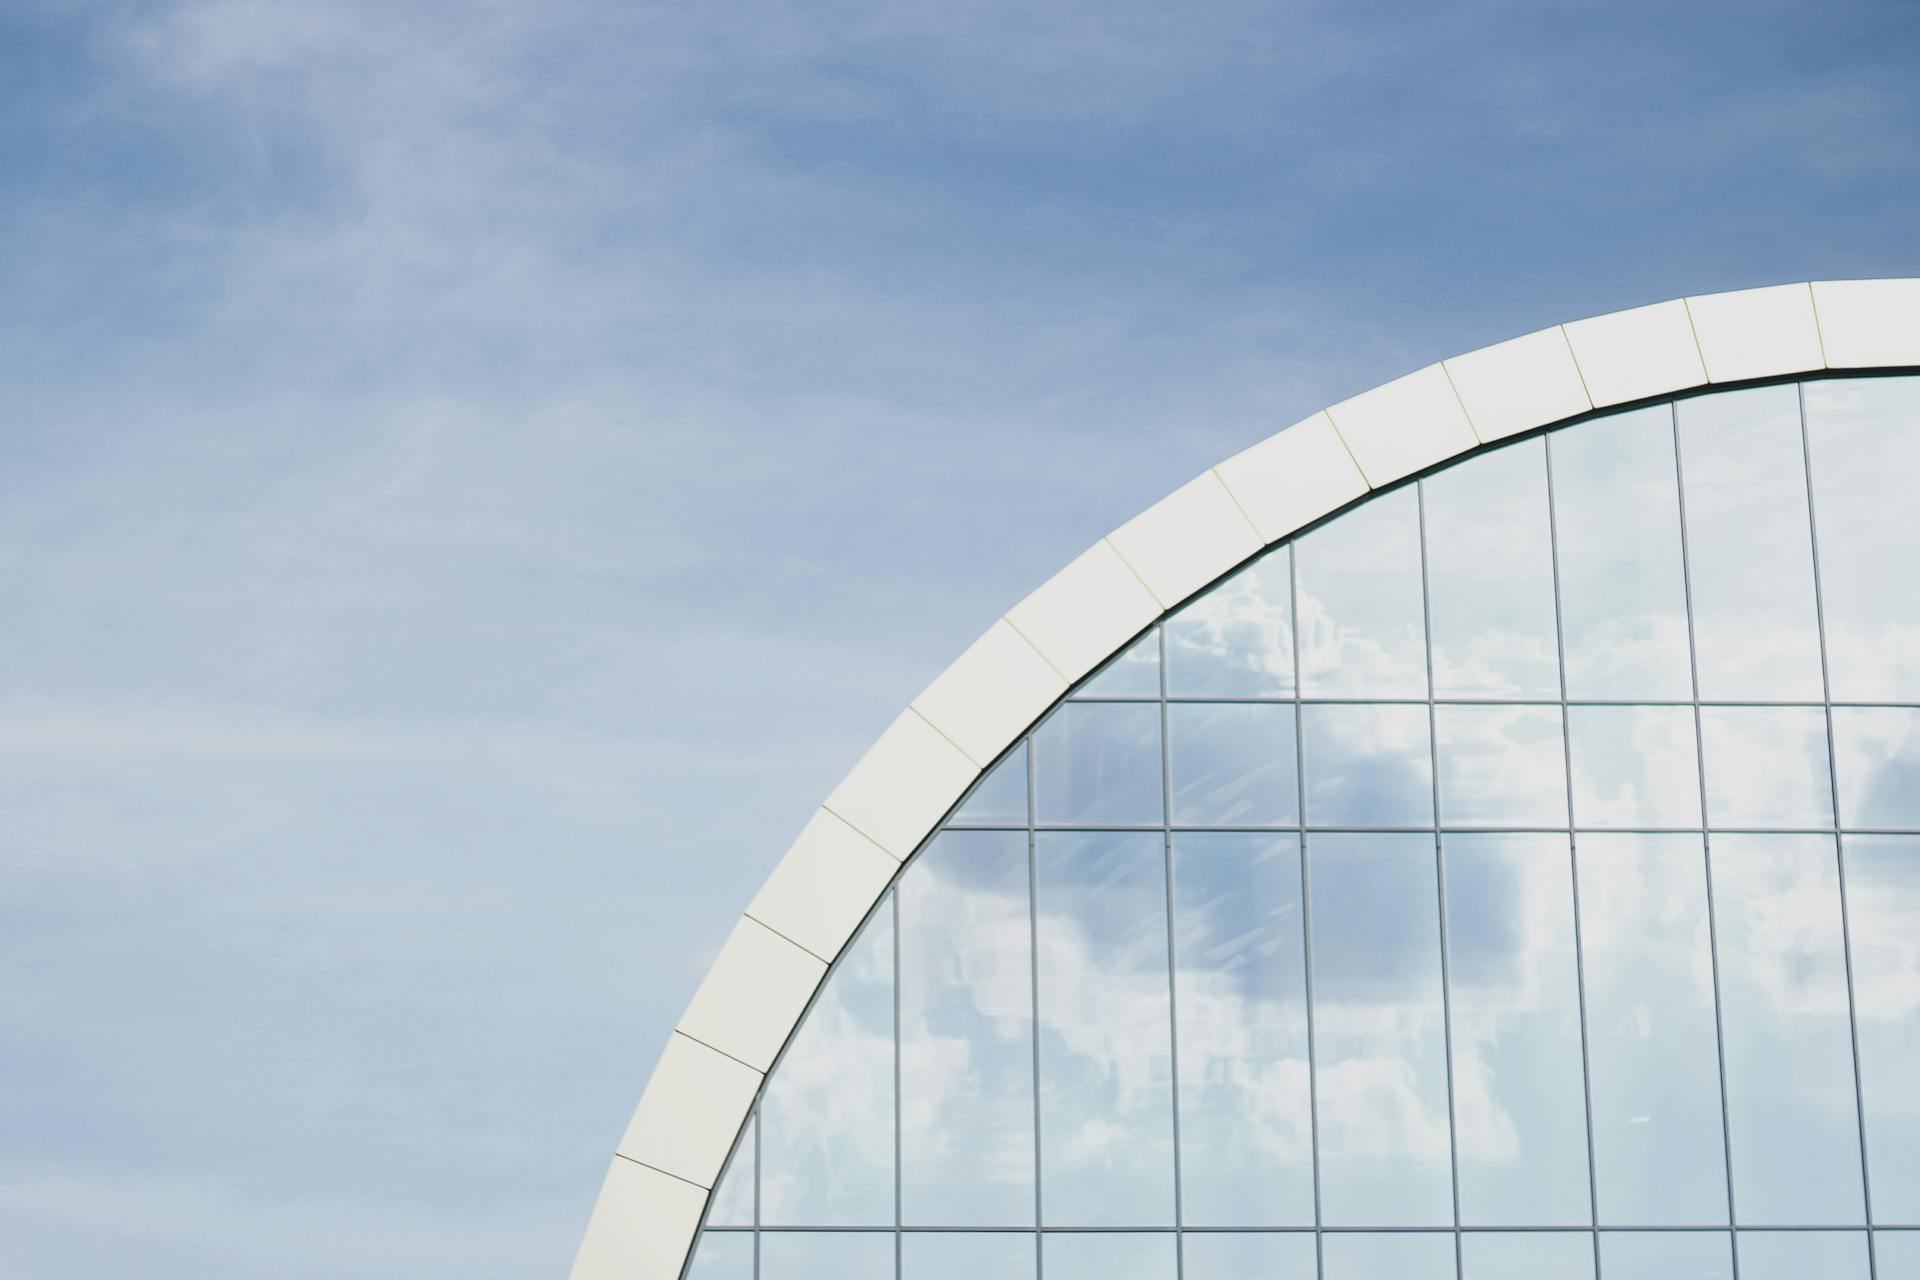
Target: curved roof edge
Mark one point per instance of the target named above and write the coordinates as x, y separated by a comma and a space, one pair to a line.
696, 1103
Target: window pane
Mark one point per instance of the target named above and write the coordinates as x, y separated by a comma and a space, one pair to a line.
1783, 993
1368, 766
1133, 1256
1501, 767
1527, 1255
826, 1120
1666, 1255
1876, 752
1634, 767
1106, 1078
1490, 577
1896, 1255
1883, 904
1379, 1038
1361, 611
733, 1198
723, 1255
1401, 1255
1801, 1255
1749, 546
826, 1255
1246, 1138
1864, 435
1134, 674
966, 1033
966, 1255
1233, 765
1099, 763
1001, 797
1234, 1256
1623, 598
1658, 1147
1236, 641
1519, 1094
1767, 767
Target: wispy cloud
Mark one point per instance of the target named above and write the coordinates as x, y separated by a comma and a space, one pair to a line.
238, 1227
474, 473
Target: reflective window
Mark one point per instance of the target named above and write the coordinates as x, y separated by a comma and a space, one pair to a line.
1666, 1255
1233, 764
1883, 904
1000, 799
733, 1199
722, 1255
1623, 596
1099, 762
1519, 1104
966, 1033
1767, 767
1864, 437
1896, 1255
1380, 1046
1246, 1136
1749, 547
1400, 1255
1803, 1255
826, 1255
966, 1255
1634, 766
1368, 766
1133, 674
1360, 605
1133, 1256
1659, 1151
1783, 1002
1223, 1255
826, 1121
1501, 766
1526, 1255
1236, 641
1490, 577
1279, 948
1876, 752
1106, 1071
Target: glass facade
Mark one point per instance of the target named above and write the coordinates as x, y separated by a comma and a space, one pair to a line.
1517, 875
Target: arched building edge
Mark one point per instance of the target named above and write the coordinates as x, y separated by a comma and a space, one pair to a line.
657, 1186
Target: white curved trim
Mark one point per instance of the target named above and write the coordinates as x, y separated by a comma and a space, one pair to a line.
697, 1102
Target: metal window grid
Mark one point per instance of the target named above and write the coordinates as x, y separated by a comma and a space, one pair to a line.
1304, 831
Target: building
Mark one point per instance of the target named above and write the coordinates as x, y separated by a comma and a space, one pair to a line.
1488, 808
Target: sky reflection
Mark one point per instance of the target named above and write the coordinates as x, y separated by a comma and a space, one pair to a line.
1257, 960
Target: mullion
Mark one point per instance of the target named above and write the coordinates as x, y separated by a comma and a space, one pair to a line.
899, 1106
1699, 748
1306, 910
756, 1182
1439, 872
1322, 700
1173, 996
1572, 1228
1033, 978
1839, 844
1479, 829
1573, 858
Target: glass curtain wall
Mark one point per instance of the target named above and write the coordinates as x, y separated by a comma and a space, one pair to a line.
1516, 875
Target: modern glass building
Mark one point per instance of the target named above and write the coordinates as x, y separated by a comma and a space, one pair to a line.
1473, 834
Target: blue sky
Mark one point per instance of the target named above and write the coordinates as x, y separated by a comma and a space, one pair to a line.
473, 475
